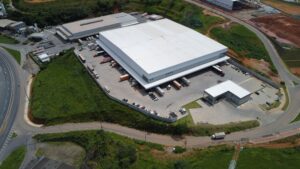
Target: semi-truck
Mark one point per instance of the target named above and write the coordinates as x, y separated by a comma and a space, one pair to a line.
220, 135
105, 60
160, 91
185, 81
82, 58
177, 85
90, 67
124, 77
218, 70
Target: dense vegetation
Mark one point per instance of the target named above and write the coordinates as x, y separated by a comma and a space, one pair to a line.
68, 94
106, 150
263, 158
242, 41
7, 39
57, 12
16, 54
15, 159
289, 54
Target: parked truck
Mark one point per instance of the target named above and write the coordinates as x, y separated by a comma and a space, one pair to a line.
177, 85
82, 58
220, 135
185, 81
124, 77
90, 67
105, 60
160, 91
218, 70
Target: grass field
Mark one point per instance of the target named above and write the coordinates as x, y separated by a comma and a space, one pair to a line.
68, 94
113, 151
16, 54
290, 55
262, 158
7, 40
244, 42
15, 159
297, 118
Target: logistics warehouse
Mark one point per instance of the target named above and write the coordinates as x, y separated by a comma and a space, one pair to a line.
157, 52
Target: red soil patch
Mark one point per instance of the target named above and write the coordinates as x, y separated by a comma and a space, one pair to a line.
296, 71
285, 29
296, 143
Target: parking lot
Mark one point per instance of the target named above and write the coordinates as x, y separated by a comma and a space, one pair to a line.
173, 99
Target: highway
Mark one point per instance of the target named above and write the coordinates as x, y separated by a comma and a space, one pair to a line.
9, 93
275, 130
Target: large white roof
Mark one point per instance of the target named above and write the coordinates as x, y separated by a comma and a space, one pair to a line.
162, 44
227, 86
103, 21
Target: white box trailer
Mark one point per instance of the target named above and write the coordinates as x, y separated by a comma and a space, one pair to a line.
186, 81
160, 91
220, 135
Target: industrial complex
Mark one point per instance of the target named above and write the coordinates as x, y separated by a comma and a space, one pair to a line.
161, 51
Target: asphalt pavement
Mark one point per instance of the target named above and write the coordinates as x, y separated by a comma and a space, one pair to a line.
10, 96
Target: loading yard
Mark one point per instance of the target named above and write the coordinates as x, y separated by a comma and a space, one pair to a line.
115, 81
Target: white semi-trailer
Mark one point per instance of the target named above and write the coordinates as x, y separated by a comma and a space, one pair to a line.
220, 135
160, 91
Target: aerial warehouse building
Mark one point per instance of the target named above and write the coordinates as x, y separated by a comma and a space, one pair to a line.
88, 27
161, 51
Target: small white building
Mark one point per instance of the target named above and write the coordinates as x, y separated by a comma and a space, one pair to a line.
229, 90
44, 57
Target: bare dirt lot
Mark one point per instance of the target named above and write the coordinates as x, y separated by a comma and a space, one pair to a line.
285, 7
285, 29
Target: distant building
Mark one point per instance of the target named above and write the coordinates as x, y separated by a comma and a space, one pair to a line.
229, 90
88, 27
37, 36
227, 4
4, 23
17, 26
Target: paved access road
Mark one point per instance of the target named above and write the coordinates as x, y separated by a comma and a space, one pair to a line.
9, 94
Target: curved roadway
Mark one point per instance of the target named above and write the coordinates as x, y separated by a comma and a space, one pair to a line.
9, 94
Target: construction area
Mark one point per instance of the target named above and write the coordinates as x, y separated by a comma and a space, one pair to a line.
280, 27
